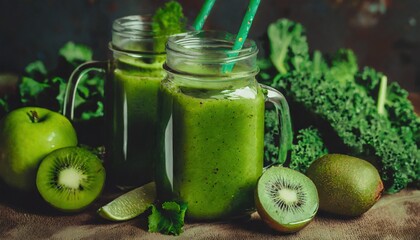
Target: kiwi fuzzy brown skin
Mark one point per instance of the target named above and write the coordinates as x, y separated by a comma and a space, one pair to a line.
347, 186
90, 184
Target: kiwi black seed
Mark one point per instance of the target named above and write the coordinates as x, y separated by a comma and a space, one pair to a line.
70, 178
279, 184
286, 200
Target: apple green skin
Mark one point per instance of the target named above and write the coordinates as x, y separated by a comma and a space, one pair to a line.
24, 143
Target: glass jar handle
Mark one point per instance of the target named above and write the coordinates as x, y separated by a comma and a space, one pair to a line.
73, 82
285, 126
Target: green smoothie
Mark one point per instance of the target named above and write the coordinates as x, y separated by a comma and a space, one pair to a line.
132, 121
213, 148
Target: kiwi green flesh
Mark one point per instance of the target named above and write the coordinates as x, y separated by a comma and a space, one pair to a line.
286, 228
70, 178
286, 199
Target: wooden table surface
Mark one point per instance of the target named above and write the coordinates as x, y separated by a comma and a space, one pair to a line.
395, 216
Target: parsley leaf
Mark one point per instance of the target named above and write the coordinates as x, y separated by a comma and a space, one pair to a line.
167, 219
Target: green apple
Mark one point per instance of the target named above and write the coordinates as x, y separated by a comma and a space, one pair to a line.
27, 135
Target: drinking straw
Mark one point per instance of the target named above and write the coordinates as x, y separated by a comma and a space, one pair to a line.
203, 14
243, 32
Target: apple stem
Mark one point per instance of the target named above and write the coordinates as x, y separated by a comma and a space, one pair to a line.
33, 115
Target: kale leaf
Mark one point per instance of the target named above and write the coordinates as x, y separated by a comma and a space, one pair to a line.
288, 45
271, 136
307, 147
167, 20
393, 102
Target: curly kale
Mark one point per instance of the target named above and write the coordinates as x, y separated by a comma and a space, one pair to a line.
343, 66
392, 101
307, 147
167, 20
288, 45
356, 112
271, 152
370, 79
401, 113
350, 123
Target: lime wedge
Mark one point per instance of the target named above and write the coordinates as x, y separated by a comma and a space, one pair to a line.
130, 204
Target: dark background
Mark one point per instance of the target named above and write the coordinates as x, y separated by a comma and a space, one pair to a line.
384, 34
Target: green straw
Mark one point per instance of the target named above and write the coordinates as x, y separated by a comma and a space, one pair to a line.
243, 33
203, 14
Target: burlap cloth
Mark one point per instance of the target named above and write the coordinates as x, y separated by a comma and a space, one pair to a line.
28, 217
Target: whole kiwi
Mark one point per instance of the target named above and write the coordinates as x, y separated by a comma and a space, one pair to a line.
346, 185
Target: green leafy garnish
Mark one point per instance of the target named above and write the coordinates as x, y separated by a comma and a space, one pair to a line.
167, 20
167, 219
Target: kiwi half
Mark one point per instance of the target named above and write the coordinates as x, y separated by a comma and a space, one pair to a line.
286, 199
70, 178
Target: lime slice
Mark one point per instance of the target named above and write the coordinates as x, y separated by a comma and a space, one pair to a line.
130, 204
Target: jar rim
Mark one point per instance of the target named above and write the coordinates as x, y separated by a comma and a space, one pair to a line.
134, 34
134, 26
209, 54
186, 44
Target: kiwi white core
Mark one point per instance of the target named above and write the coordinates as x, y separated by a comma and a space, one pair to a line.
71, 178
287, 195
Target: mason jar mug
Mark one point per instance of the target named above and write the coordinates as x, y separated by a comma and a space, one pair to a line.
211, 125
133, 76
